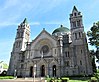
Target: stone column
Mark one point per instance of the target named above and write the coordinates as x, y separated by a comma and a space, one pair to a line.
60, 39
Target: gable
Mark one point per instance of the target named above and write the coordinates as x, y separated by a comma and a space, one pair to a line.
43, 38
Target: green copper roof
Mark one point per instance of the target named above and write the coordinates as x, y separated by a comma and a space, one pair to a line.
61, 29
25, 21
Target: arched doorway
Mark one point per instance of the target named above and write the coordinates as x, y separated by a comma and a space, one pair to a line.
31, 71
54, 70
42, 71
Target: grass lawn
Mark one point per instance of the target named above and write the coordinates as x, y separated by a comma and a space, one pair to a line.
77, 81
72, 79
6, 77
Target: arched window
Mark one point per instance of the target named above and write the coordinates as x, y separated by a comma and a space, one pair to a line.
78, 23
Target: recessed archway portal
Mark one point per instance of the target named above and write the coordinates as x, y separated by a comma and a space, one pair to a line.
31, 71
54, 70
42, 71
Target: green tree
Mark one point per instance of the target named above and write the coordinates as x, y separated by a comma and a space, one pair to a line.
92, 52
93, 35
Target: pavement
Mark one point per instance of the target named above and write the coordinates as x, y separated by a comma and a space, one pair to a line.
23, 80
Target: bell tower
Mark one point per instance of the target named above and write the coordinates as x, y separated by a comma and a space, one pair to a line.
76, 24
81, 56
22, 36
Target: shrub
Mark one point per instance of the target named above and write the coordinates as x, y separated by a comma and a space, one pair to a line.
64, 79
93, 79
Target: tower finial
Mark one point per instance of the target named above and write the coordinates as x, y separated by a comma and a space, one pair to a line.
61, 25
74, 8
25, 21
43, 28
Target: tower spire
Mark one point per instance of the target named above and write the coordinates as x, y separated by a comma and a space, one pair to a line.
74, 8
25, 21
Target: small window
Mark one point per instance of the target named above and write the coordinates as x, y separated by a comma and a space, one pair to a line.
75, 14
80, 62
67, 63
79, 34
81, 51
74, 24
78, 23
75, 35
73, 71
21, 66
67, 54
18, 44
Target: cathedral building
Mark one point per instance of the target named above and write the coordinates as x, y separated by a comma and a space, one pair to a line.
62, 53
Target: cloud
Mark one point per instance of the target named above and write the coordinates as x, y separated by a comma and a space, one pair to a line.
8, 23
14, 10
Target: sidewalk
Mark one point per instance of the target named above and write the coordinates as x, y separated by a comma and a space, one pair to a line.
23, 80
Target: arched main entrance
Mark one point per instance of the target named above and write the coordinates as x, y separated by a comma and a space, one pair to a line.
54, 70
42, 71
31, 71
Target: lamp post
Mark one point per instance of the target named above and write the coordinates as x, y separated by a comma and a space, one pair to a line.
42, 55
34, 71
54, 72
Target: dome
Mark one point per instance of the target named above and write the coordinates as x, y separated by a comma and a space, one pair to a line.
61, 29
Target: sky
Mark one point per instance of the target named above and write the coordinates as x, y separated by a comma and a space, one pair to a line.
48, 14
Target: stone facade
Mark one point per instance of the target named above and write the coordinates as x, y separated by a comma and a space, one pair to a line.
62, 53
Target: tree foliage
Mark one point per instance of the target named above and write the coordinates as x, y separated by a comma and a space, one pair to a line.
93, 35
93, 53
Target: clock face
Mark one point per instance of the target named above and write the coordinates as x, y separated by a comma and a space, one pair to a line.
44, 49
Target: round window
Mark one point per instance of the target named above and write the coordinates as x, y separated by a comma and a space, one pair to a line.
44, 49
